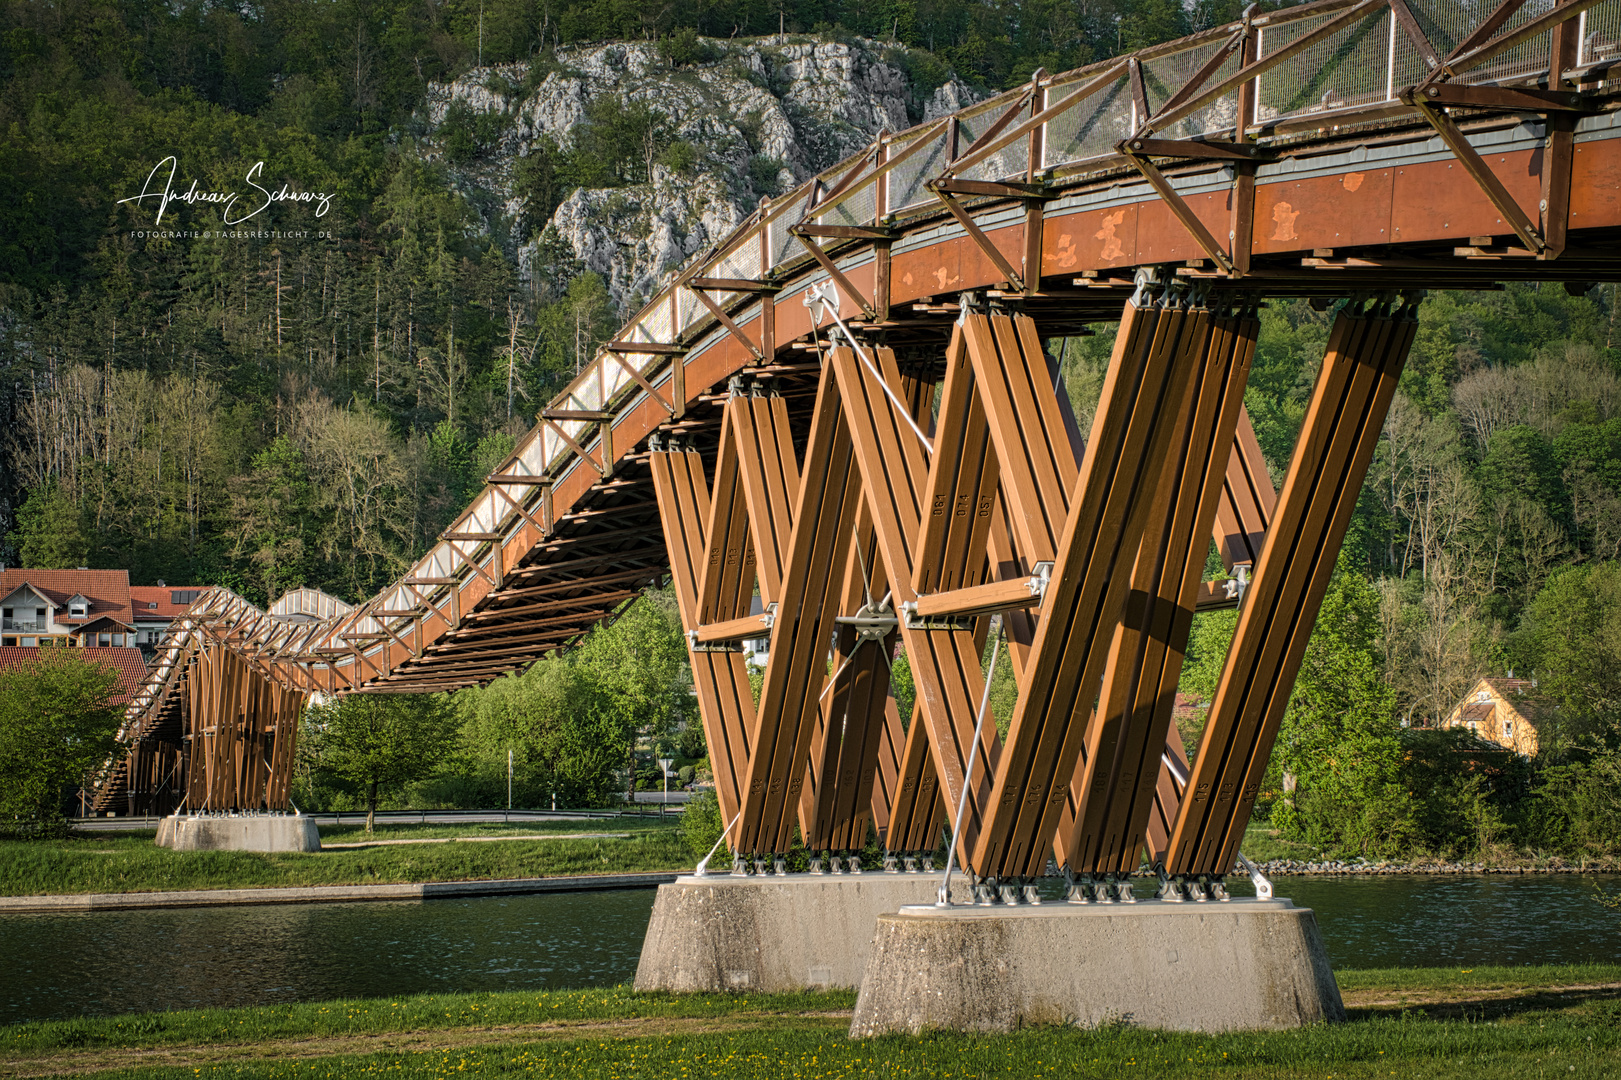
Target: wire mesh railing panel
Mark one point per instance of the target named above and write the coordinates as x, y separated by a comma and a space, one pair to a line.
1010, 162
1525, 59
585, 394
1600, 33
1089, 128
1006, 162
1349, 67
785, 247
652, 325
859, 206
440, 561
689, 309
614, 375
484, 515
743, 260
1446, 23
906, 180
1163, 76
532, 459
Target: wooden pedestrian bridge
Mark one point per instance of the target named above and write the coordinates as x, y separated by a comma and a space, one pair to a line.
849, 408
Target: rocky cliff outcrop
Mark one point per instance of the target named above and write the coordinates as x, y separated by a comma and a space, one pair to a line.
734, 122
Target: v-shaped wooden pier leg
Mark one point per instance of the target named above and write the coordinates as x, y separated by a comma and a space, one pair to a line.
1156, 353
1113, 795
1366, 350
720, 679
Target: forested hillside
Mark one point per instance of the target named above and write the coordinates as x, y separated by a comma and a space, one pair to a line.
303, 391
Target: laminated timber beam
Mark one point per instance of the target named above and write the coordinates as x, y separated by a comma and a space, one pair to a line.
1103, 829
1156, 352
720, 680
858, 736
824, 517
1366, 350
896, 478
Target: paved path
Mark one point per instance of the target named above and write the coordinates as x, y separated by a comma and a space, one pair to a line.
319, 894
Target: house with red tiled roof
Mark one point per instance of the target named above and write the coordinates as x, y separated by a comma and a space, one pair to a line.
1508, 712
127, 662
156, 606
66, 607
94, 608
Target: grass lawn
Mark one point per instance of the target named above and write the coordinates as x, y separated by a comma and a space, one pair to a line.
131, 862
1483, 1022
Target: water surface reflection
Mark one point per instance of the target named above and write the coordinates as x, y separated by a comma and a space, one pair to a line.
115, 962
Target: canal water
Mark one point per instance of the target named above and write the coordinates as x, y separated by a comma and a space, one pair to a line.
102, 963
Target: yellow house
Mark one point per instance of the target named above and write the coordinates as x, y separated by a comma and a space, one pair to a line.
1508, 712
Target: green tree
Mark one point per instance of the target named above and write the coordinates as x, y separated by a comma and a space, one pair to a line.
380, 739
51, 532
58, 719
1570, 638
1339, 736
635, 673
272, 513
549, 718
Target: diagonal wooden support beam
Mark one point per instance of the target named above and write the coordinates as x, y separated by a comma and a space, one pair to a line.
1358, 378
726, 320
1028, 426
768, 475
945, 662
1131, 442
1247, 499
726, 579
1014, 279
1112, 796
720, 680
837, 800
1178, 206
823, 519
1480, 172
844, 283
568, 440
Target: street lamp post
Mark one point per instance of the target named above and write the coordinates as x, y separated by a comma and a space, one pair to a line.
664, 764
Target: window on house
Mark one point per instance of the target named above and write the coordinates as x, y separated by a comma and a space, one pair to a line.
1508, 728
1484, 695
77, 608
184, 597
1474, 726
104, 640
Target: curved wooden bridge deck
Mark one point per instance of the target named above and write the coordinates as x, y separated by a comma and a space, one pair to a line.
930, 481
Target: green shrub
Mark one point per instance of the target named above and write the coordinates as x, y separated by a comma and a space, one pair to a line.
685, 47
763, 172
701, 824
679, 157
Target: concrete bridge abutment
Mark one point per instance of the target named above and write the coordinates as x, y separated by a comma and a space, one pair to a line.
239, 832
1215, 966
770, 933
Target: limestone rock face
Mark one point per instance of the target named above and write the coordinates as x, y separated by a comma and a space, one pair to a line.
759, 117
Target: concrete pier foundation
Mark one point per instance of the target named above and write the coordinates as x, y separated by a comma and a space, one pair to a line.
1216, 966
267, 832
770, 933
